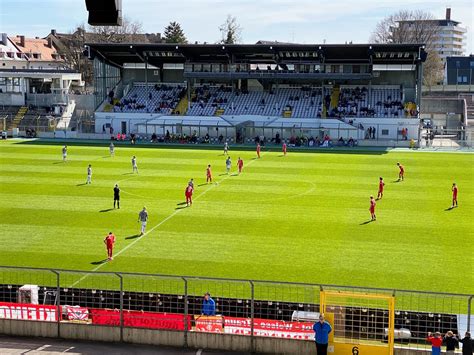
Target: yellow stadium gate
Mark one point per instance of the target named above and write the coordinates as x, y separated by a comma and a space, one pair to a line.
373, 335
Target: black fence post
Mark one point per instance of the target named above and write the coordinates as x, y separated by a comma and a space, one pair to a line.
58, 297
121, 306
252, 317
469, 310
186, 311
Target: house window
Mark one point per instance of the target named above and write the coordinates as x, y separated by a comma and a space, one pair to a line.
384, 132
471, 64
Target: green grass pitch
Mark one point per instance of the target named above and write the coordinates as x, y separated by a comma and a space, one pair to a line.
296, 218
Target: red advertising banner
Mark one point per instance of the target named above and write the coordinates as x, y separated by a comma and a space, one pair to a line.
137, 319
208, 324
28, 312
269, 328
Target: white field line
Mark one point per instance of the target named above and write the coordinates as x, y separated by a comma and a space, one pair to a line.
151, 230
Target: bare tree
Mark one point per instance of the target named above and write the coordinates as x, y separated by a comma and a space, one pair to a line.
406, 27
418, 27
231, 31
128, 32
70, 47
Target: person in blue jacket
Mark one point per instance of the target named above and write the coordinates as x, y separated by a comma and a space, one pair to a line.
208, 305
321, 335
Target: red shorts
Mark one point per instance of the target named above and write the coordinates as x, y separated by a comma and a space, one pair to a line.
372, 210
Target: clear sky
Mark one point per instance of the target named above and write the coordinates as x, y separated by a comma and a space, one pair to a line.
304, 21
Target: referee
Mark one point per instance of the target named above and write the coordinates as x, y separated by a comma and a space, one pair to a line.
117, 196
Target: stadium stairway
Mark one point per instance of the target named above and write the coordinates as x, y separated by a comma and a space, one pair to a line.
182, 107
335, 97
19, 116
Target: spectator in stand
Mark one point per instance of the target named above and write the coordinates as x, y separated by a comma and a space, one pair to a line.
208, 305
373, 132
436, 342
321, 335
111, 96
350, 142
451, 342
467, 344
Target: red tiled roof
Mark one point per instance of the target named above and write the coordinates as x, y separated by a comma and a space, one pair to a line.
36, 46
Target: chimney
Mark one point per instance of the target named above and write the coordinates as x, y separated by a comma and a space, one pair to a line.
448, 13
53, 32
22, 41
50, 42
4, 39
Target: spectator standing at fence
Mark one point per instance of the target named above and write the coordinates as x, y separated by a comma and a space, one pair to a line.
109, 242
64, 153
143, 218
89, 174
467, 344
208, 305
321, 335
455, 195
117, 196
436, 342
451, 342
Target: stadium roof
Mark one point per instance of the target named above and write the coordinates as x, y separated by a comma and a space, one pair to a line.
157, 54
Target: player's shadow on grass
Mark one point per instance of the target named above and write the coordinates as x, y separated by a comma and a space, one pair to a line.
181, 204
366, 222
107, 210
58, 162
83, 184
235, 174
99, 262
133, 237
181, 208
128, 174
203, 184
450, 208
223, 174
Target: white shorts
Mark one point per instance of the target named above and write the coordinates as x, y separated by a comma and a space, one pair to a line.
64, 156
143, 225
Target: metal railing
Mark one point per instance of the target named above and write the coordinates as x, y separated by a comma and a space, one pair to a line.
245, 307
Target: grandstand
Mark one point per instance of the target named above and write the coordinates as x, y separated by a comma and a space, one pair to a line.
357, 85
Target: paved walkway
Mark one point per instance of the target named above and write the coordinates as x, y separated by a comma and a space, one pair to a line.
42, 346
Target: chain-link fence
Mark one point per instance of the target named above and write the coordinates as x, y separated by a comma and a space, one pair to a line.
240, 307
